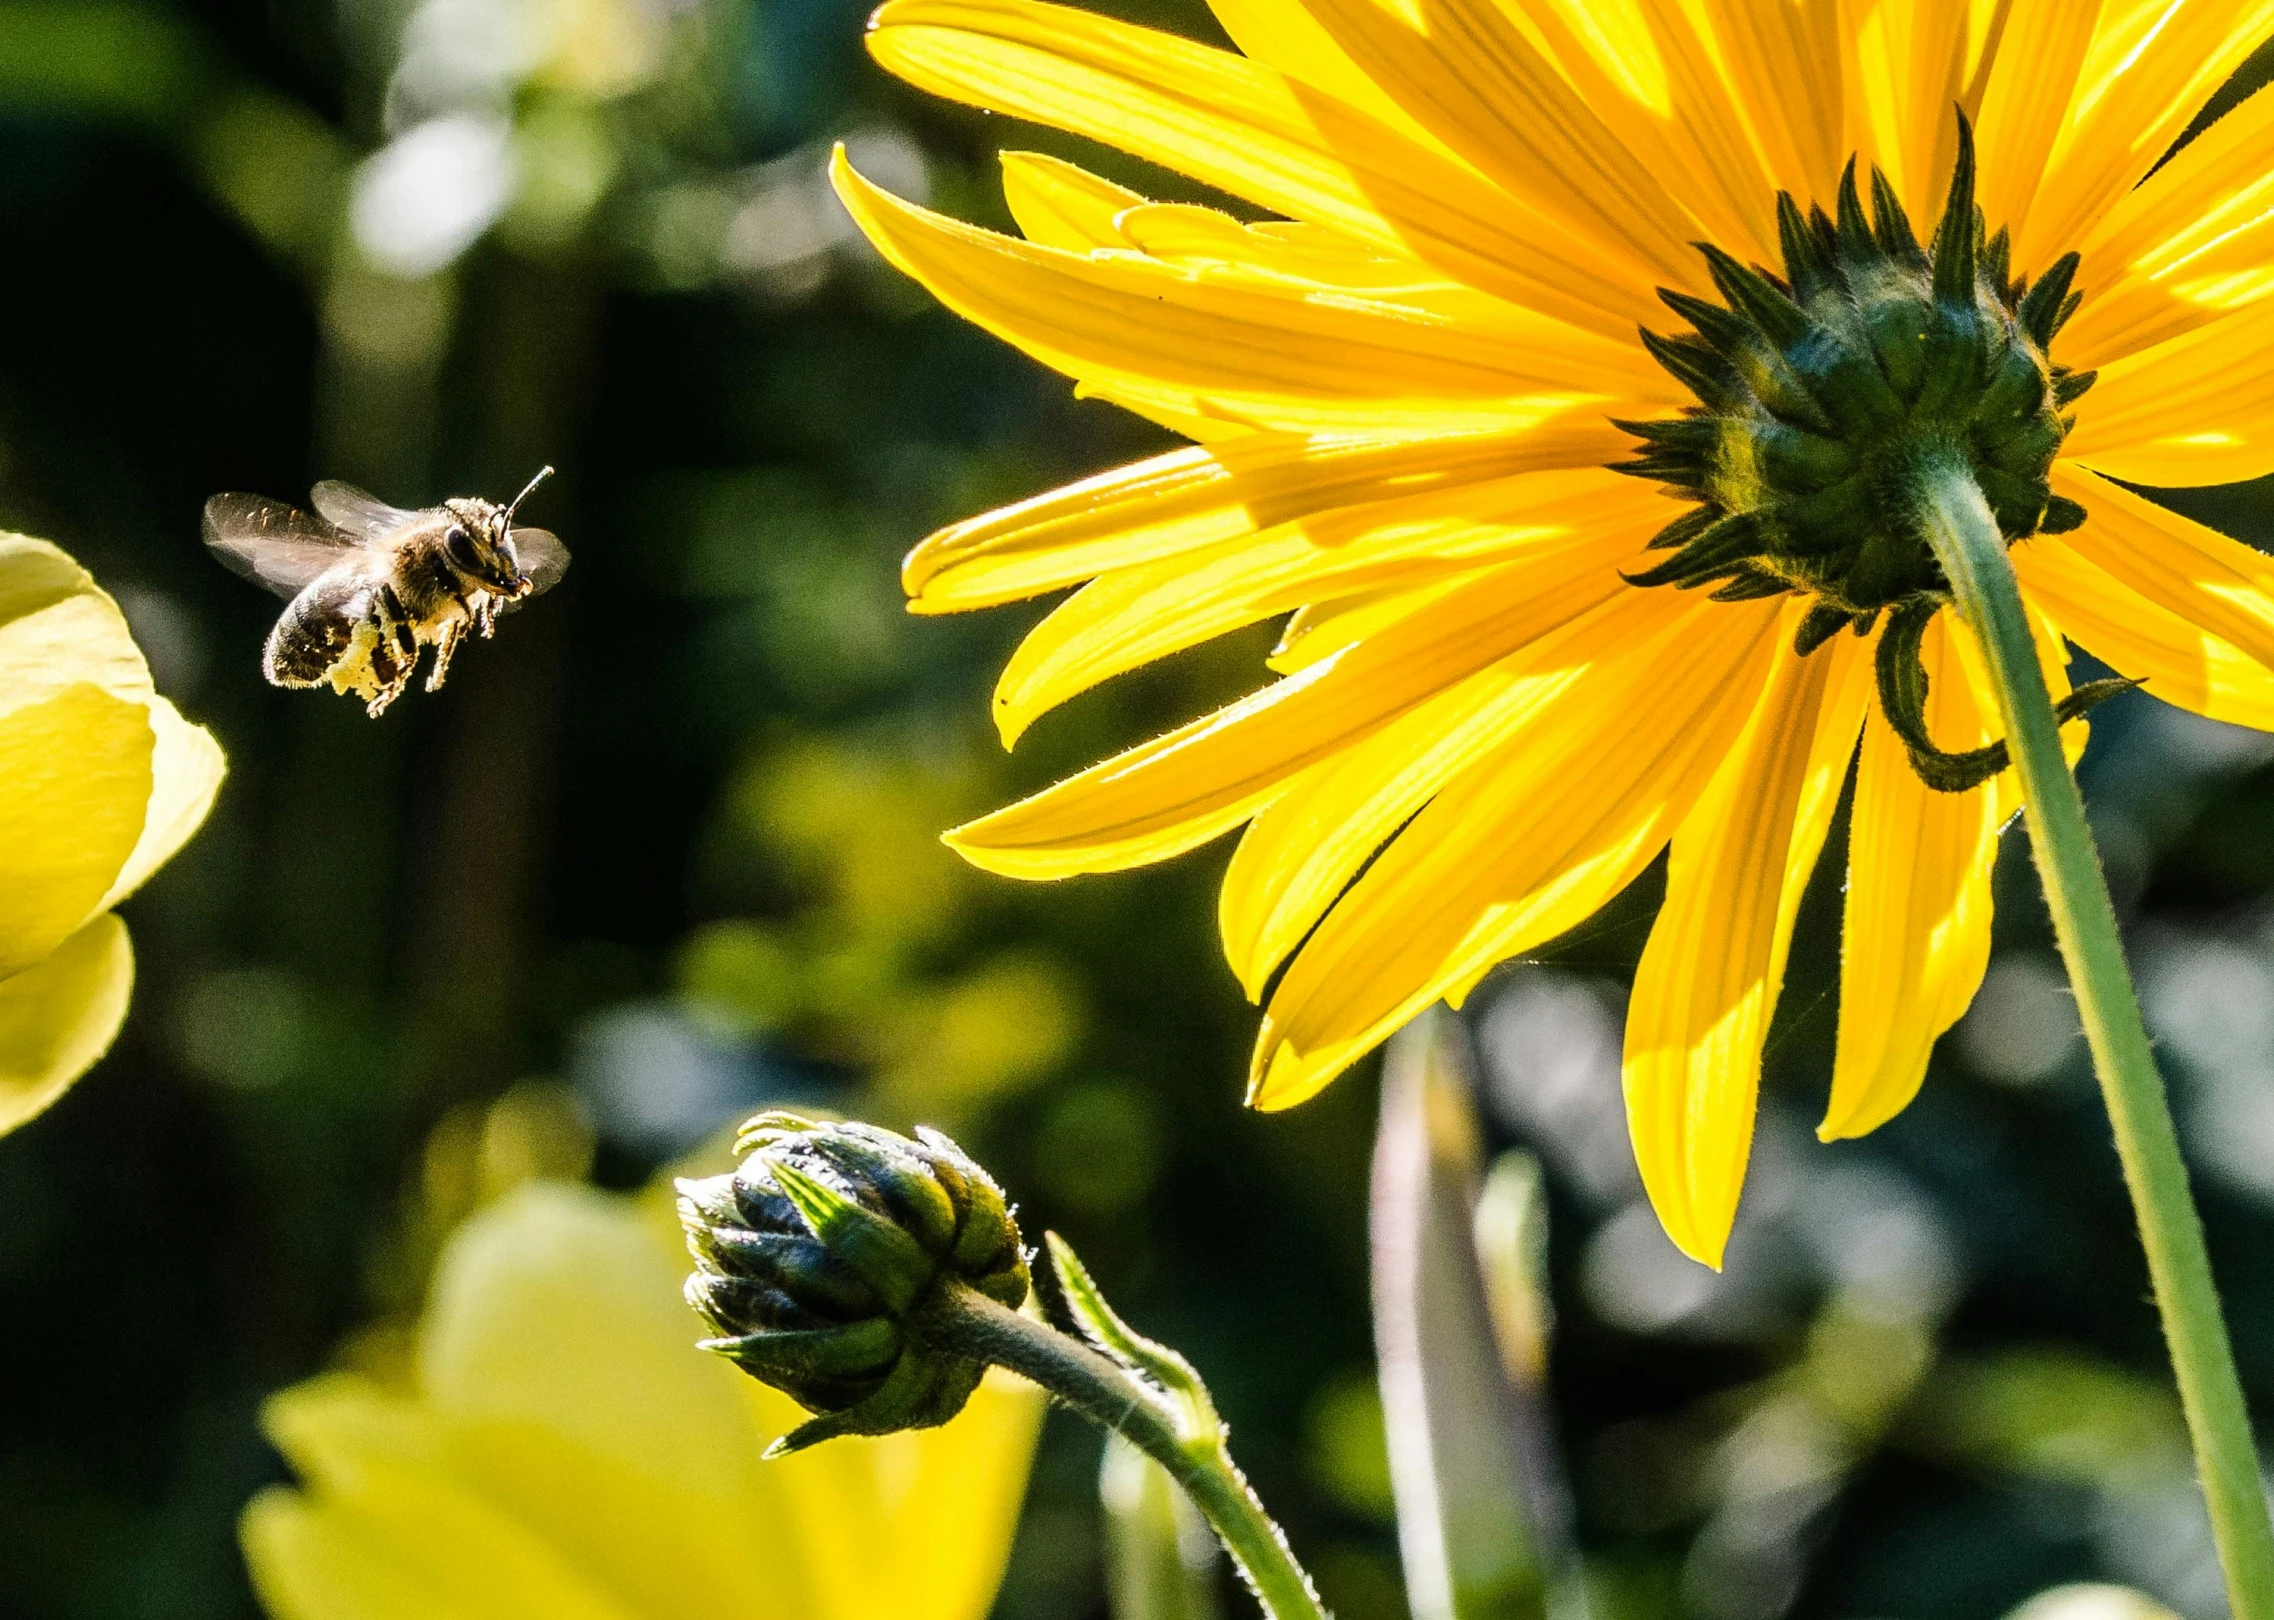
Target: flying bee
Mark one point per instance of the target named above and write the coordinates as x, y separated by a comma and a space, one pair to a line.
373, 585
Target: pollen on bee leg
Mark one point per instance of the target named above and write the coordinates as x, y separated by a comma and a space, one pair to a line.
445, 644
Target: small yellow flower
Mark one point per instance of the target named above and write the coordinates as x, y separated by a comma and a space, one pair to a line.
568, 1454
1416, 393
101, 781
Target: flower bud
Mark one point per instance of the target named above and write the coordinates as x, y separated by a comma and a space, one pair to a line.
816, 1258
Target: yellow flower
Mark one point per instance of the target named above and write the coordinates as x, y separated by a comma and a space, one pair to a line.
568, 1454
1407, 393
100, 783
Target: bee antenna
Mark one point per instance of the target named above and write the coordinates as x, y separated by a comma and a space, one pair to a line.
543, 473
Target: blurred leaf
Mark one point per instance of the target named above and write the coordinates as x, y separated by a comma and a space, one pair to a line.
1468, 1452
1512, 1255
1160, 1554
2052, 1414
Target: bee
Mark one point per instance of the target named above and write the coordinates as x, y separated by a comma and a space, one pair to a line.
373, 585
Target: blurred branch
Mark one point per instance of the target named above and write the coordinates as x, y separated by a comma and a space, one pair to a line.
1159, 1553
1482, 1514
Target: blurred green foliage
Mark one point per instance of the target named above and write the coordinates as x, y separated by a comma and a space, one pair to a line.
666, 850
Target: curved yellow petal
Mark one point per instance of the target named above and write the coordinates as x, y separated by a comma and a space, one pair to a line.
2181, 662
1322, 629
1281, 34
1239, 126
2194, 241
1915, 937
1468, 75
2026, 100
1062, 205
1709, 978
186, 768
1179, 503
1907, 67
1137, 615
59, 1015
58, 629
1566, 812
2195, 409
1257, 348
2151, 67
2216, 584
1303, 849
75, 777
1198, 782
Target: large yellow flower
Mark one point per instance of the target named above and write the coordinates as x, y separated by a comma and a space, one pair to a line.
101, 781
1407, 389
566, 1453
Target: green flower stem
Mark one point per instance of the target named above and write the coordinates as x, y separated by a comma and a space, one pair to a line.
1973, 554
964, 1320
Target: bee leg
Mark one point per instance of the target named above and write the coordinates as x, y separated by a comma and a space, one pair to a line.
445, 644
486, 617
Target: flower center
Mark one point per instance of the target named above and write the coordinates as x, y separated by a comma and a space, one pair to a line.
1821, 392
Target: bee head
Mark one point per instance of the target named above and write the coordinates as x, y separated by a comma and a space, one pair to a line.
480, 544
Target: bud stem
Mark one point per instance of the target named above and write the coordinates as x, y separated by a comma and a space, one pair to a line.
1966, 541
960, 1318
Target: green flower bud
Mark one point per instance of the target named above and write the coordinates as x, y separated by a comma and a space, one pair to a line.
815, 1261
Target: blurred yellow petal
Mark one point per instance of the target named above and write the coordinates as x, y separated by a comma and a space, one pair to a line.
1138, 615
1190, 499
74, 780
1566, 812
1915, 935
2151, 66
59, 1015
1468, 75
57, 629
389, 1533
2220, 585
1709, 978
2195, 409
2194, 241
1201, 780
2181, 663
1237, 125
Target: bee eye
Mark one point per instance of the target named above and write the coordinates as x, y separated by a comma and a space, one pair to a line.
464, 552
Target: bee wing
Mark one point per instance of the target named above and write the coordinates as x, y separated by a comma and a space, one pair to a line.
542, 557
271, 543
360, 516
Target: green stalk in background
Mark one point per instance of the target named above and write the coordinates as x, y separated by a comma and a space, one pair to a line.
1966, 540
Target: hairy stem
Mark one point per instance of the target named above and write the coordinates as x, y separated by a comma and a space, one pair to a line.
1108, 1396
1973, 554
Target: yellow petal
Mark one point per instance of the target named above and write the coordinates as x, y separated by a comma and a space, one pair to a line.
1784, 59
2217, 584
2151, 67
1916, 930
1290, 359
390, 1533
1468, 75
2032, 77
1181, 790
917, 1525
59, 1015
1565, 813
186, 768
1281, 34
2193, 241
1709, 978
1324, 628
1908, 67
1062, 206
2196, 409
1176, 504
1237, 125
1137, 615
1302, 851
2181, 663
75, 776
57, 629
